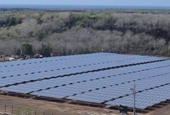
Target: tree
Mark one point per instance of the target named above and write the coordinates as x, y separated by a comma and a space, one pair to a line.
41, 36
27, 49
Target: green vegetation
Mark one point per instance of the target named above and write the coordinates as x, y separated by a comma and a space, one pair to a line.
27, 49
26, 111
10, 20
41, 36
13, 20
39, 18
133, 32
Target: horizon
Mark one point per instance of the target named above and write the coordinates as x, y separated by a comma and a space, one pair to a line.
49, 6
89, 2
84, 5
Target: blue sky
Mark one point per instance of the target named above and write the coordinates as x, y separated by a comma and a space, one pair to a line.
91, 2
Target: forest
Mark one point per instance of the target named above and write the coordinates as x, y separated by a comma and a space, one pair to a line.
68, 33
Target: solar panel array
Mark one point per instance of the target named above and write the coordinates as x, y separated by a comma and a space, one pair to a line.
104, 78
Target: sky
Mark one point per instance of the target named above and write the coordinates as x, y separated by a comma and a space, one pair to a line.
91, 2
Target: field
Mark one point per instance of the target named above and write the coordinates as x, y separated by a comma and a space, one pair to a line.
64, 108
100, 80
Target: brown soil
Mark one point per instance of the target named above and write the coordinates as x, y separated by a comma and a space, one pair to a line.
161, 111
54, 108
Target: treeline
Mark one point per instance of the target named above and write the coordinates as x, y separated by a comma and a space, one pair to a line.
67, 33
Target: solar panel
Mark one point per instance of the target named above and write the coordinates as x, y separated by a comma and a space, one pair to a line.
115, 91
144, 99
88, 76
98, 77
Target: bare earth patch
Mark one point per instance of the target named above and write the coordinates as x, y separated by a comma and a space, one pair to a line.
63, 108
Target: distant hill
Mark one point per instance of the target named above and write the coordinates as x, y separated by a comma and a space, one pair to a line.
68, 31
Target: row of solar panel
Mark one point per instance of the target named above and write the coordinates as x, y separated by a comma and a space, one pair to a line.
114, 92
45, 73
48, 76
74, 78
60, 58
116, 83
44, 61
144, 99
64, 59
53, 59
77, 62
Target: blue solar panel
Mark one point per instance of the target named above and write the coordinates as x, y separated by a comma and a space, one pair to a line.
49, 76
144, 99
94, 75
115, 91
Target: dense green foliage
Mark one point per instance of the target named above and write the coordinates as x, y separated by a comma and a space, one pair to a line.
74, 33
27, 49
